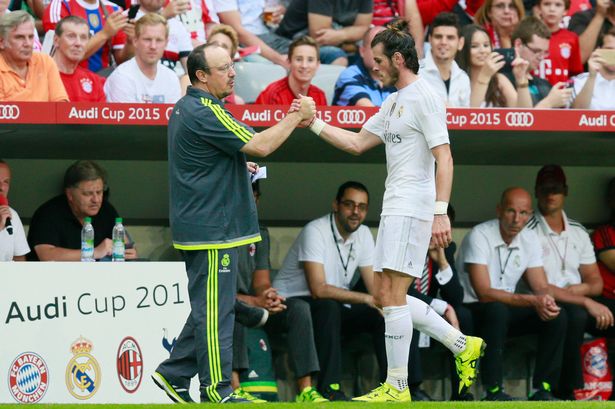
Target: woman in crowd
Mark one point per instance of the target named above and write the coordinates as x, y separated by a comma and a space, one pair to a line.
490, 88
500, 18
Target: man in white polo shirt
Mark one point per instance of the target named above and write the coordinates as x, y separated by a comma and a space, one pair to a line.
492, 259
570, 265
319, 268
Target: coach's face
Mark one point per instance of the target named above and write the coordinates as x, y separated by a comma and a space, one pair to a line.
220, 79
514, 211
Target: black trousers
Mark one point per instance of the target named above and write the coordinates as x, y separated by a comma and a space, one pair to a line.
572, 370
332, 320
495, 321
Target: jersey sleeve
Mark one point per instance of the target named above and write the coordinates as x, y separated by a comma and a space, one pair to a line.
322, 7
261, 257
432, 122
534, 257
603, 239
587, 250
475, 248
21, 247
120, 88
43, 230
54, 12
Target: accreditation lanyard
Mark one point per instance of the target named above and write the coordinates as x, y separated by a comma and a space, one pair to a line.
339, 252
503, 266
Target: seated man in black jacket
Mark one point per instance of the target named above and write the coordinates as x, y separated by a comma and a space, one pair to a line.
55, 230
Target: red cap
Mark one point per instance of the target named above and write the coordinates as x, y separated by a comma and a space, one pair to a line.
551, 176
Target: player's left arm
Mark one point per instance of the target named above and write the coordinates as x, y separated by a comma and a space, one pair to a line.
441, 230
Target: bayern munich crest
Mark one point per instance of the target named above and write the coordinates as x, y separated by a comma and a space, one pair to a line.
595, 362
129, 364
83, 375
28, 378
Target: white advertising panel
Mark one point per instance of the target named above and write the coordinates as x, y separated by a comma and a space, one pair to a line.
88, 332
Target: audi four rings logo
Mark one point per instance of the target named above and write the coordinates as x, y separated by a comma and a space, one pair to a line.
9, 112
519, 119
347, 116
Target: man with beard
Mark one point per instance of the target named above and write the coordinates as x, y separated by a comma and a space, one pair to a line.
320, 267
412, 125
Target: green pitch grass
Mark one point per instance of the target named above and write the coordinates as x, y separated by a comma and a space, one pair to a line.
351, 405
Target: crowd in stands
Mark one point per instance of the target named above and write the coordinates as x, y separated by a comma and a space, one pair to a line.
479, 53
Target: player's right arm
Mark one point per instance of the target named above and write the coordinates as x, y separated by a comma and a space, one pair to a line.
348, 141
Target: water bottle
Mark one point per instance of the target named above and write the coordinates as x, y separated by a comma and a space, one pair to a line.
87, 240
118, 240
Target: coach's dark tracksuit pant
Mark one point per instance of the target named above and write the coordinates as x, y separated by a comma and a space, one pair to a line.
205, 345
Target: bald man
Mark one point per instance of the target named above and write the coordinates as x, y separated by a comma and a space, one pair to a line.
493, 257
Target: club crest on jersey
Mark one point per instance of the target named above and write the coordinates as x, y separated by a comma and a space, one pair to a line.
28, 378
94, 20
225, 263
83, 375
86, 85
400, 112
565, 50
129, 364
252, 249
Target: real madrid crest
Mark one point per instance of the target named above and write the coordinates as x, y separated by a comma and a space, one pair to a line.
83, 376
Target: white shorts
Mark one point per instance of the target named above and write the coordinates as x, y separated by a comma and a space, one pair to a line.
402, 244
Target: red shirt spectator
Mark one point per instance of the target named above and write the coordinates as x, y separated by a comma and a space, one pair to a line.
95, 16
279, 93
84, 86
604, 239
564, 60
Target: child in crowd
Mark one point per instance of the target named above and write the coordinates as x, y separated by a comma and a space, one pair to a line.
564, 58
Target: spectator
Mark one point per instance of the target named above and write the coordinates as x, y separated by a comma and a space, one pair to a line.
246, 17
570, 265
386, 11
439, 287
330, 23
500, 18
439, 68
143, 79
4, 9
82, 85
13, 243
604, 243
564, 58
596, 89
24, 75
319, 268
592, 24
531, 42
492, 259
195, 16
489, 87
179, 45
304, 62
359, 84
55, 230
110, 28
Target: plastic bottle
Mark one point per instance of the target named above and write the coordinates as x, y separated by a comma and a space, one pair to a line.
119, 248
87, 240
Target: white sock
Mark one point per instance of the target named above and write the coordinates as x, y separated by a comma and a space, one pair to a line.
426, 320
397, 338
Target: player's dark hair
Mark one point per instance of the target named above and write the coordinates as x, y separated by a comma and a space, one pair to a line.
396, 39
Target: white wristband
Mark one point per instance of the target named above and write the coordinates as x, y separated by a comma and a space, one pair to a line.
317, 126
441, 208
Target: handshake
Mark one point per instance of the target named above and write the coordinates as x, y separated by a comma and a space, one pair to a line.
306, 108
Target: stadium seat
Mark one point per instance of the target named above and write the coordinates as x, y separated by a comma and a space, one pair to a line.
253, 77
325, 79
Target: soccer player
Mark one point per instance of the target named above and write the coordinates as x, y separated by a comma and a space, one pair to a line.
412, 125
